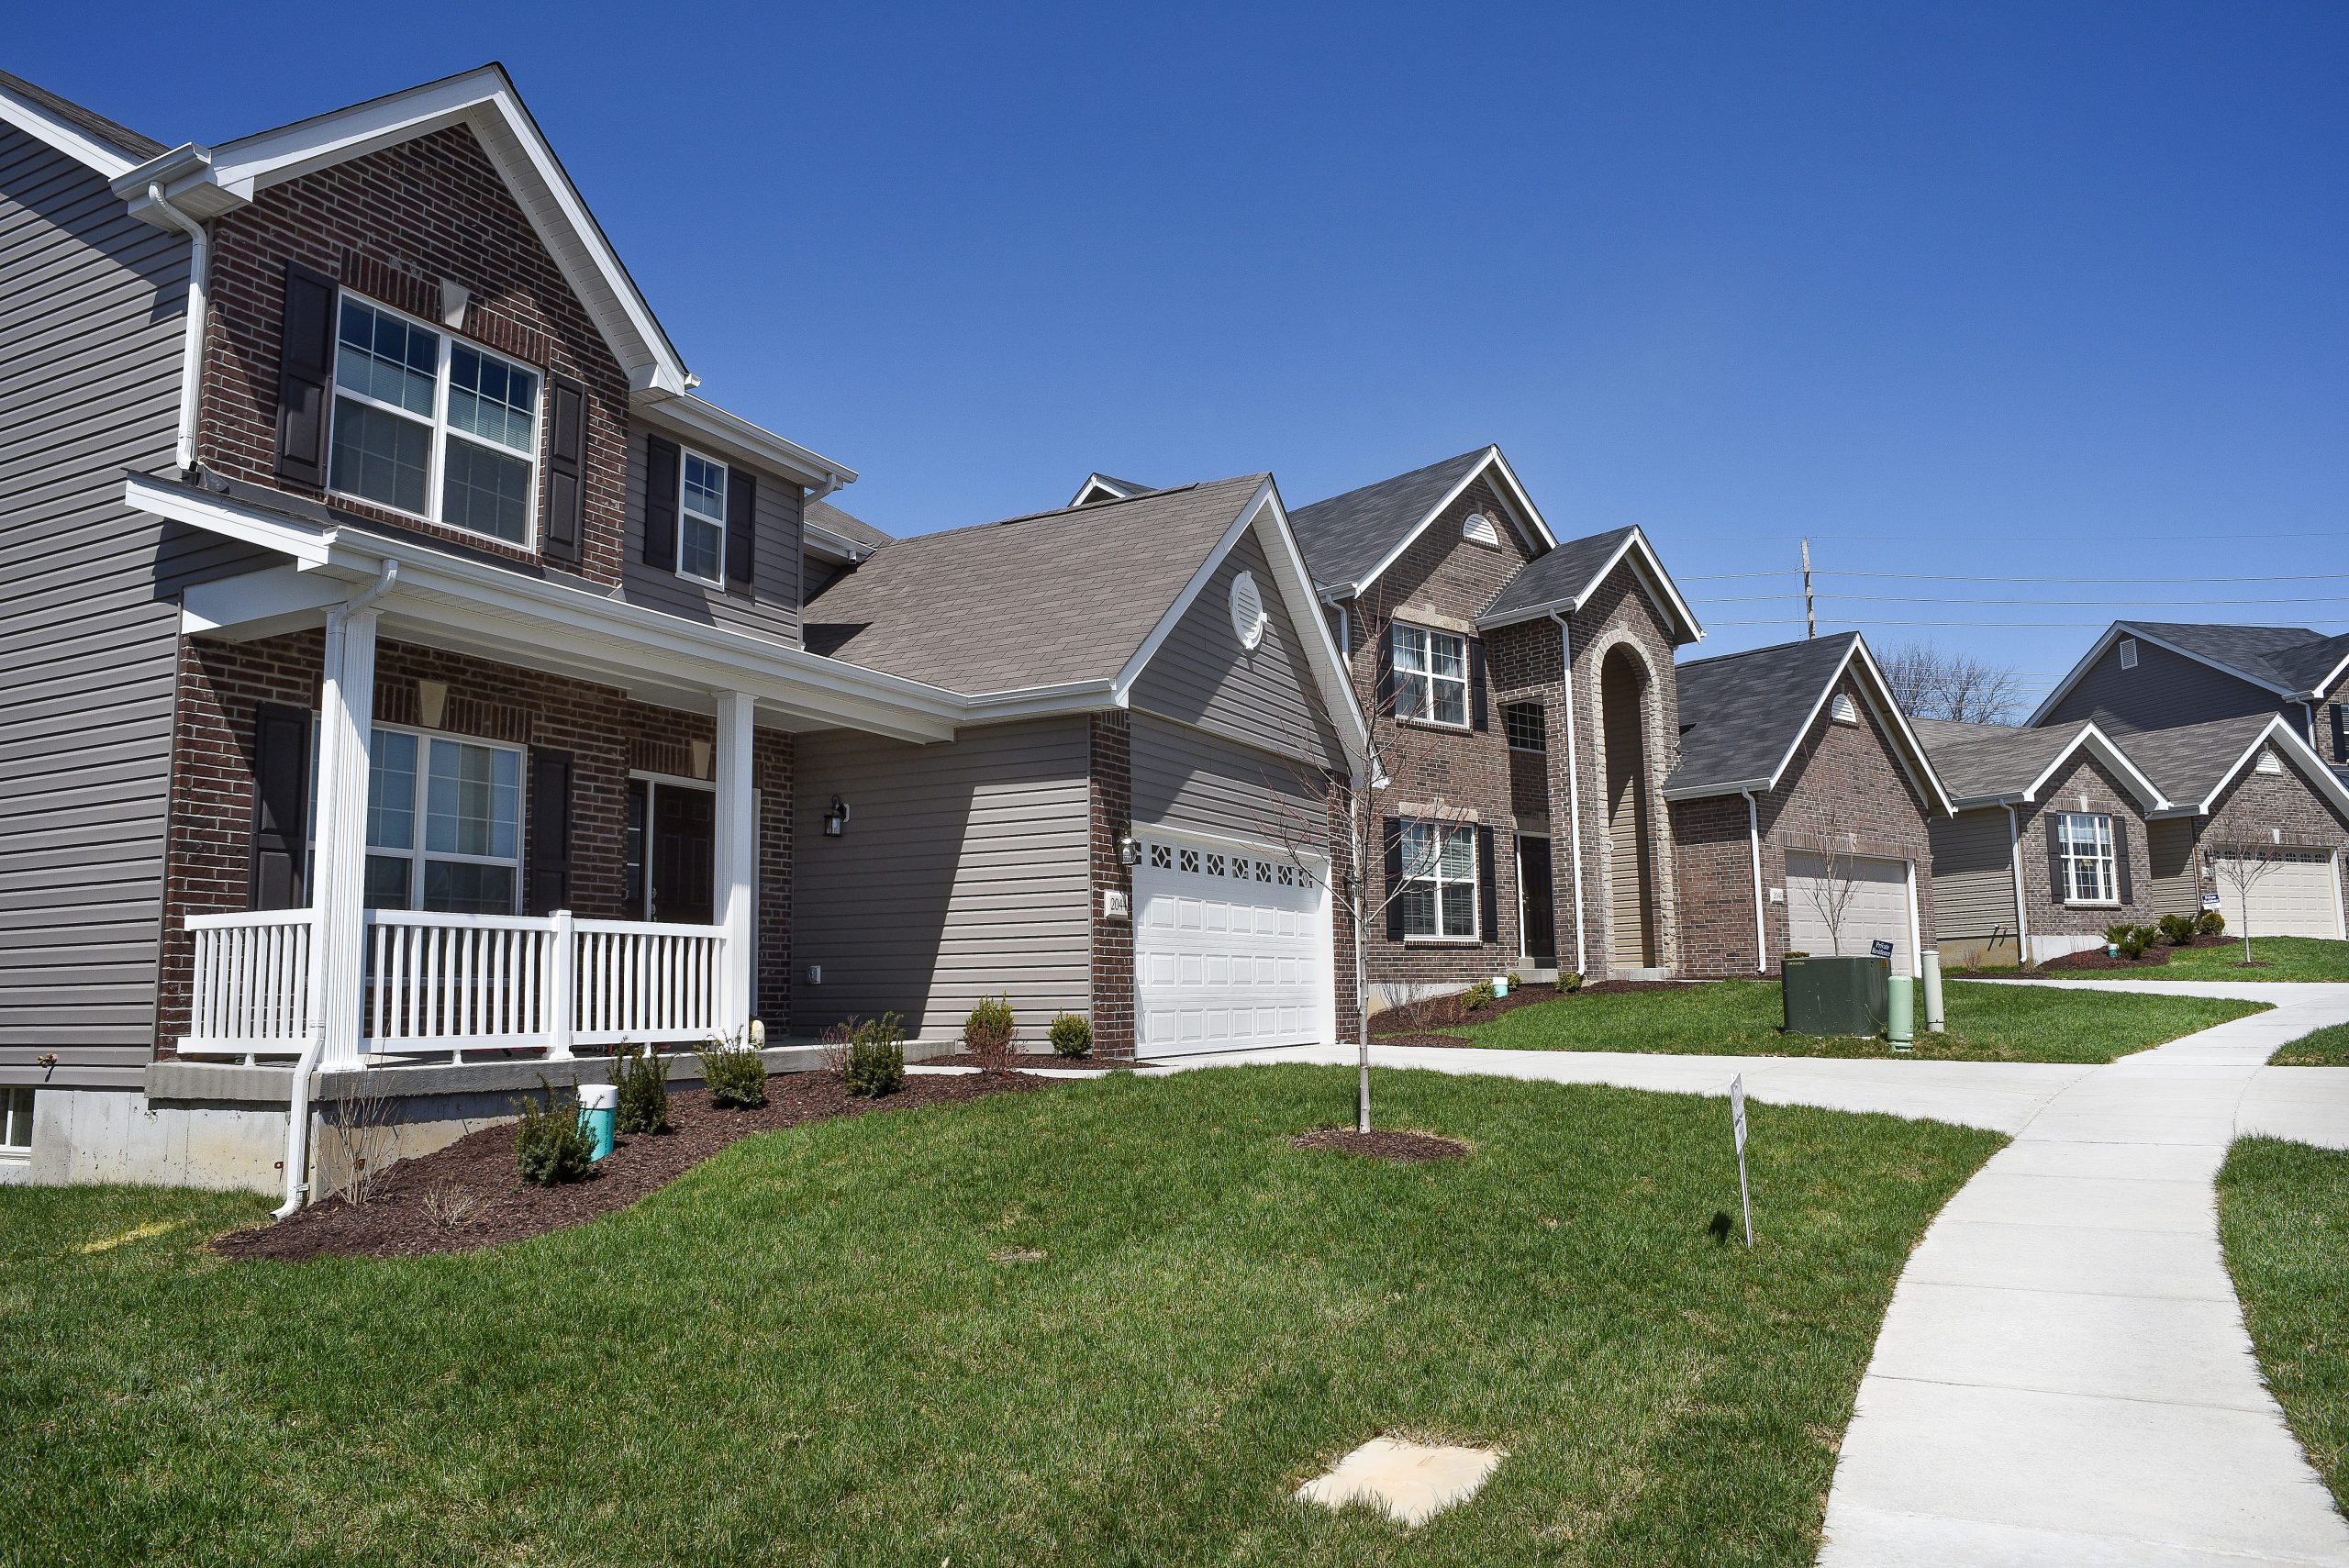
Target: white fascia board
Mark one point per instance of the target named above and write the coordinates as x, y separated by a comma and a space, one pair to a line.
1412, 537
2317, 693
738, 439
1523, 500
1108, 487
259, 604
820, 540
2149, 795
1707, 792
1888, 713
1646, 565
36, 121
2280, 734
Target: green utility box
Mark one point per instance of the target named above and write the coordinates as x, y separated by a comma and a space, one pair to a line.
1837, 995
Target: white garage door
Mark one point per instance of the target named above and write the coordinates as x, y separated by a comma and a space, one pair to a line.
1876, 908
1232, 948
2293, 898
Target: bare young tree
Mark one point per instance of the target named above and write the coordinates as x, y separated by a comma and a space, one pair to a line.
1931, 684
1830, 896
362, 1135
2240, 868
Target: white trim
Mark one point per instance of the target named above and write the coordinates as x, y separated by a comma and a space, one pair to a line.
725, 502
1475, 883
1465, 680
2112, 634
1916, 926
2104, 839
737, 440
2340, 910
2014, 865
83, 147
2107, 750
1110, 490
1761, 921
1573, 785
1538, 536
418, 852
1646, 565
2311, 766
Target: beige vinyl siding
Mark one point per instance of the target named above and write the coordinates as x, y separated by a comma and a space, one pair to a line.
965, 872
2177, 888
772, 607
91, 307
1188, 778
2166, 690
1201, 675
1974, 876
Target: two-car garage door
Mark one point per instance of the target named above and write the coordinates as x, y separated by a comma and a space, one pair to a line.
2296, 894
1231, 947
1875, 906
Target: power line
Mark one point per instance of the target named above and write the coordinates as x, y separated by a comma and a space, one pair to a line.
2021, 603
1955, 577
1991, 625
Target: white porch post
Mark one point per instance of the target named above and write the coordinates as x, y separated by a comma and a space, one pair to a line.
736, 882
338, 877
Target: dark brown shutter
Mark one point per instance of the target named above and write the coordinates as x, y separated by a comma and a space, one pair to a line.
2059, 885
661, 478
1477, 717
1392, 826
2341, 731
547, 886
305, 375
2120, 859
1488, 893
1385, 697
281, 839
741, 529
566, 467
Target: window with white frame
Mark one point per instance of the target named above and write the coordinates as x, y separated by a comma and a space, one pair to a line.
1439, 899
2086, 872
444, 823
1527, 729
701, 521
16, 1120
430, 426
1430, 676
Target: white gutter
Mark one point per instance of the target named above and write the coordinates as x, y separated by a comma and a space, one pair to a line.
1761, 928
199, 260
1573, 785
306, 1067
2022, 921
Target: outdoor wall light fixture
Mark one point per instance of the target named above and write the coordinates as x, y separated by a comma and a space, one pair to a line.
836, 819
1128, 852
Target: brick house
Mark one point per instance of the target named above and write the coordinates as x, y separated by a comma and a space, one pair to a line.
1802, 809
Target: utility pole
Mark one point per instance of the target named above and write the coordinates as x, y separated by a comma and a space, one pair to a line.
1809, 604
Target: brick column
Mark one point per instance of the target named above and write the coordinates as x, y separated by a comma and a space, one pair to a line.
1113, 936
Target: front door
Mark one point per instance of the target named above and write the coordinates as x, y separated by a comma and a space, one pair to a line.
1537, 916
683, 852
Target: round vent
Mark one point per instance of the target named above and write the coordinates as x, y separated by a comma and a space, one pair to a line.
1479, 529
1247, 610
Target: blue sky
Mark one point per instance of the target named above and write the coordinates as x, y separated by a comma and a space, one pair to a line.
2031, 290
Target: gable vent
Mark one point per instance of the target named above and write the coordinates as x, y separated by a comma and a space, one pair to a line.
1479, 529
1847, 711
2128, 652
2269, 763
1247, 610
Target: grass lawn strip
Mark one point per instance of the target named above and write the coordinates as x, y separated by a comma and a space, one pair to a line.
1741, 1018
2325, 1048
2312, 959
804, 1350
2284, 1216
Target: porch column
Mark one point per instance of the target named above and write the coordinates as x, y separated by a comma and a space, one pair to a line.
736, 882
338, 877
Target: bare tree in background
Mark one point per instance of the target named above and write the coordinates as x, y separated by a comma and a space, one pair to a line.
1929, 684
1832, 894
2240, 868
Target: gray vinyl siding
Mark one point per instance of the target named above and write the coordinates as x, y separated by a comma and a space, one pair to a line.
2166, 690
1974, 876
1202, 676
772, 605
1189, 778
2169, 845
965, 872
92, 307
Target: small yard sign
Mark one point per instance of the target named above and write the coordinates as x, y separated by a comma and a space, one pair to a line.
1880, 948
1737, 1129
2209, 901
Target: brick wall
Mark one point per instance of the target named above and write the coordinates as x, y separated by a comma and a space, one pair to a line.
2043, 915
1113, 936
392, 226
2256, 805
607, 732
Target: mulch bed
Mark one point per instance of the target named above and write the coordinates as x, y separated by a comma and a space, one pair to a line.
2097, 958
1394, 1148
468, 1195
1020, 1061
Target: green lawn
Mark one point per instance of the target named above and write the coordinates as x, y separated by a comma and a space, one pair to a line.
2273, 958
1741, 1018
2325, 1048
804, 1352
2284, 1216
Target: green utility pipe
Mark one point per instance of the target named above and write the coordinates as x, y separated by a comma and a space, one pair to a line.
1901, 1012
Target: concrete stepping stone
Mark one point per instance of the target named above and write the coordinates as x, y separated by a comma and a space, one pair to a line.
1412, 1482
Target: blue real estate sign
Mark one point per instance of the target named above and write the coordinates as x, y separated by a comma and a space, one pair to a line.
1880, 948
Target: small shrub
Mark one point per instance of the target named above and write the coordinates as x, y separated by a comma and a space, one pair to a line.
1479, 997
549, 1146
1515, 980
642, 1080
736, 1075
1569, 982
2135, 939
2177, 929
876, 1057
839, 1041
2118, 935
2211, 923
1071, 1036
986, 1033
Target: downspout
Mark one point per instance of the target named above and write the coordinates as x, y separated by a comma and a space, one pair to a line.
2309, 709
1573, 785
2014, 860
1760, 929
306, 1067
199, 263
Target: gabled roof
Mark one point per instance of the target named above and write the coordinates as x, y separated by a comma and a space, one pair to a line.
1350, 539
1563, 578
2194, 763
1743, 716
206, 182
1993, 764
1102, 487
77, 133
841, 525
2293, 662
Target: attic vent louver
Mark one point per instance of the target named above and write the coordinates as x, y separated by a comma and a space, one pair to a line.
1479, 529
1847, 711
2128, 652
1247, 610
2269, 763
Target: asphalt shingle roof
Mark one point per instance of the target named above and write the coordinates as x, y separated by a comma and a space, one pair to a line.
2188, 762
1344, 537
824, 515
120, 137
1556, 575
1977, 761
2293, 657
1742, 712
1034, 601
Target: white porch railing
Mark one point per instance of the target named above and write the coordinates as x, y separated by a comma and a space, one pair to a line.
440, 984
252, 994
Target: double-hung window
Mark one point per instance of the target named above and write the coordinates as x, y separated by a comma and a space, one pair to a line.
1528, 731
2088, 872
1438, 899
1430, 676
444, 824
432, 426
701, 521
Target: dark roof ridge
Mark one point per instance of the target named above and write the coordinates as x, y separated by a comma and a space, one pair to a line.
122, 137
1093, 509
1771, 648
